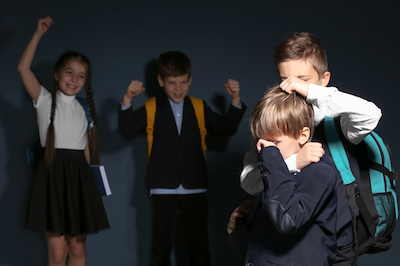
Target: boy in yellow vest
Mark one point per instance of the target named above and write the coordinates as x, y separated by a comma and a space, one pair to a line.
177, 175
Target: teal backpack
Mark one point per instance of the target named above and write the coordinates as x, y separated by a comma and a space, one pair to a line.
374, 192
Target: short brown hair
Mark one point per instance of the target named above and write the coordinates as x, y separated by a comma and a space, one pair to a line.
279, 113
302, 46
173, 64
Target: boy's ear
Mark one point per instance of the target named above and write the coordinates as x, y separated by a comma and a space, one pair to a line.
326, 77
56, 76
160, 81
304, 135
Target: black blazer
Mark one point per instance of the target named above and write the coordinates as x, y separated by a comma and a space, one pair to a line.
177, 159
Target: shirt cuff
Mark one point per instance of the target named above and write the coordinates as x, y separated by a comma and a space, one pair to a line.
291, 163
125, 107
237, 106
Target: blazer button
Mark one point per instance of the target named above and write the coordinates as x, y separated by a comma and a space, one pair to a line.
249, 264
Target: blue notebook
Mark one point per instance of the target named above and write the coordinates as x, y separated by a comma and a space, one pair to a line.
100, 175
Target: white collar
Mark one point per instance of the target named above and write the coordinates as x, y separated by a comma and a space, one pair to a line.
291, 163
65, 98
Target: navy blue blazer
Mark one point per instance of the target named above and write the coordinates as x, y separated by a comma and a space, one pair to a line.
295, 222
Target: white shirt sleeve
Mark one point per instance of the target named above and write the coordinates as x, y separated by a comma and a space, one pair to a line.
358, 116
250, 177
43, 93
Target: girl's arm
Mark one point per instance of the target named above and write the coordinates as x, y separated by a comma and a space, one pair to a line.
87, 151
24, 66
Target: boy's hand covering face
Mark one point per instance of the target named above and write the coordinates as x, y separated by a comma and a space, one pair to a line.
262, 143
287, 145
292, 84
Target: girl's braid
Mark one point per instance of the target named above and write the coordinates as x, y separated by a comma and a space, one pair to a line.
49, 151
94, 141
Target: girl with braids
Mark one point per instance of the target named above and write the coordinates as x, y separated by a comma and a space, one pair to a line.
64, 200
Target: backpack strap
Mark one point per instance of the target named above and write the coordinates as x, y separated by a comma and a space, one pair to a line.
85, 107
342, 164
198, 106
353, 193
385, 168
380, 168
150, 106
338, 152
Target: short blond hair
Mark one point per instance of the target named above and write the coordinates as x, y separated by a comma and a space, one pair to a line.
279, 113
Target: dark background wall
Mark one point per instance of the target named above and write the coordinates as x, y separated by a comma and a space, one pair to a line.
224, 39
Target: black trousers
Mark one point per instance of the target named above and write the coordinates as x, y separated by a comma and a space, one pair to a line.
193, 212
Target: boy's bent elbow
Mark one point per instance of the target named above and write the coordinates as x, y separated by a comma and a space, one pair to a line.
376, 117
366, 126
282, 221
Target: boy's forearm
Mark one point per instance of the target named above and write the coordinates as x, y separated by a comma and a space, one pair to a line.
288, 203
131, 124
279, 188
126, 101
236, 100
224, 125
358, 116
275, 174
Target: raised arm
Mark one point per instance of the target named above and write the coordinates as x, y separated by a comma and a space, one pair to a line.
232, 87
358, 116
288, 203
131, 124
31, 84
134, 89
226, 125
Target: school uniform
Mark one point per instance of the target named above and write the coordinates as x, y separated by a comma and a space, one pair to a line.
177, 175
64, 198
295, 221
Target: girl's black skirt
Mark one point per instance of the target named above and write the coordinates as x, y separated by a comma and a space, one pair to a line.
65, 199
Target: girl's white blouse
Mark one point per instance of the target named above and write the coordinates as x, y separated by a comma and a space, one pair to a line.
70, 123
